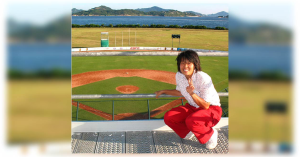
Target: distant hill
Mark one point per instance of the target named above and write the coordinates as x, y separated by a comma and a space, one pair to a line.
102, 7
74, 10
155, 8
192, 12
245, 32
57, 30
222, 13
15, 26
106, 11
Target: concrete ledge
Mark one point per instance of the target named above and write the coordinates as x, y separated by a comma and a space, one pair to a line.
111, 96
144, 53
134, 51
140, 48
129, 125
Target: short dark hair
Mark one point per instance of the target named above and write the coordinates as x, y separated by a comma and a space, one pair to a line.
191, 56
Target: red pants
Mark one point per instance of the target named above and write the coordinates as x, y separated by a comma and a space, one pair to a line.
184, 119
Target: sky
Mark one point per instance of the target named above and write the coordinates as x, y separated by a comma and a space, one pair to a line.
277, 13
41, 13
38, 13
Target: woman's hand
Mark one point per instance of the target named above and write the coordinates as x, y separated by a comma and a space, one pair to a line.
190, 89
199, 101
158, 93
172, 92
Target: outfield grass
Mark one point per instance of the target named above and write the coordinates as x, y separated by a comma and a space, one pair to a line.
152, 37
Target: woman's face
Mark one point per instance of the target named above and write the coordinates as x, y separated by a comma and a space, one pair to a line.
187, 67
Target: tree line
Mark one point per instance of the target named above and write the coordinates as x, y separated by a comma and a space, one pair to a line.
263, 75
55, 73
145, 26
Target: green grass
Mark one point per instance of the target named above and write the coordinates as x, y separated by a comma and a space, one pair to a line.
152, 37
84, 115
85, 64
224, 105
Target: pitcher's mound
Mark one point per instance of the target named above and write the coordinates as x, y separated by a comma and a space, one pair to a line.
127, 89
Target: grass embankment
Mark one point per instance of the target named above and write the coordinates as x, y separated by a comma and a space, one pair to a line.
216, 67
38, 111
152, 37
249, 120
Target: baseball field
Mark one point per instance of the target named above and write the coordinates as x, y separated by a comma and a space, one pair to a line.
138, 71
139, 74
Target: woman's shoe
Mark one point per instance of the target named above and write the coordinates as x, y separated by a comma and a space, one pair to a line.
189, 136
213, 141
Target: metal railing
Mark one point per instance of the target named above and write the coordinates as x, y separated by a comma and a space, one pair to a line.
111, 96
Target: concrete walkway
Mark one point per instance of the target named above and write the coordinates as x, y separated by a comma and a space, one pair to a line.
139, 142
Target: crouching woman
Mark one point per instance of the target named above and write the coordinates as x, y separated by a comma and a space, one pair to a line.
203, 111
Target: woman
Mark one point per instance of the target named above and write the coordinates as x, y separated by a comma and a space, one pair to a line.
203, 111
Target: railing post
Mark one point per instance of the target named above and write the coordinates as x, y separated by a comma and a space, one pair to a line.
148, 109
223, 112
113, 110
77, 111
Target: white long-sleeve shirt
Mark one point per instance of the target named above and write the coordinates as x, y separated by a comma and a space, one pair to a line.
204, 88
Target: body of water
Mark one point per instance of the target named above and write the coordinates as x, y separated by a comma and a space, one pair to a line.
210, 22
32, 57
255, 59
258, 58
